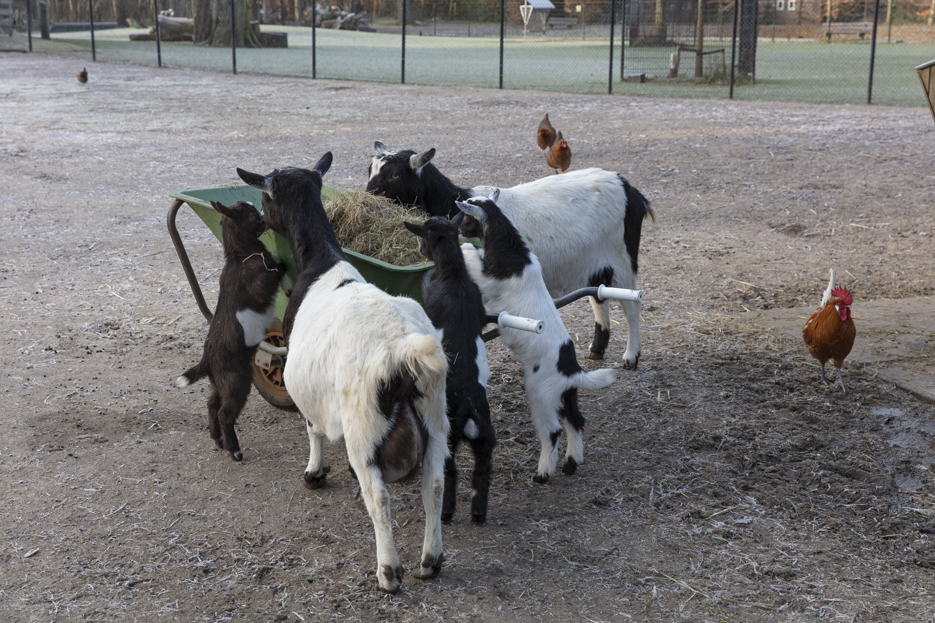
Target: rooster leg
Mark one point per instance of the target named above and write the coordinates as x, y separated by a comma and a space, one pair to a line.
824, 379
841, 379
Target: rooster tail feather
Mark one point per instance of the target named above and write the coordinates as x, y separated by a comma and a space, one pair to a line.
827, 295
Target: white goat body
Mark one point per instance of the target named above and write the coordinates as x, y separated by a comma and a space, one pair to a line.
575, 224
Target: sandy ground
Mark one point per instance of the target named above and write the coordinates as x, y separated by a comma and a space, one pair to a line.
723, 481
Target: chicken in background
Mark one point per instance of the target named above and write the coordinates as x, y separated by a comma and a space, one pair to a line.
545, 136
559, 155
829, 332
83, 76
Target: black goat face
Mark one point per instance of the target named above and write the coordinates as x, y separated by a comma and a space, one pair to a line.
396, 175
434, 230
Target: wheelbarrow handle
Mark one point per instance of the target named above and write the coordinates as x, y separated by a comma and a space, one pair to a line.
619, 294
505, 320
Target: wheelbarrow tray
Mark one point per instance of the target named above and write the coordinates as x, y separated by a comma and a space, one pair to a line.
395, 280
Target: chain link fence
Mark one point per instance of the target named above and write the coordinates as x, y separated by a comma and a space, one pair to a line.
836, 51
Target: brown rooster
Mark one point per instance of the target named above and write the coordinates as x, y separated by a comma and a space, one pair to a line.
546, 133
559, 155
83, 76
829, 333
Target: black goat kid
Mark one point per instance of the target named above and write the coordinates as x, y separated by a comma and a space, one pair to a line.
453, 304
249, 282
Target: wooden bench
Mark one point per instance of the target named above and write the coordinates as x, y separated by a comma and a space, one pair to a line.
561, 22
846, 28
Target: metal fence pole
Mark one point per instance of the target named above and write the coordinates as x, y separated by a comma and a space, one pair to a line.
158, 43
733, 48
234, 36
314, 49
610, 67
502, 27
29, 22
402, 78
624, 16
91, 16
403, 70
873, 48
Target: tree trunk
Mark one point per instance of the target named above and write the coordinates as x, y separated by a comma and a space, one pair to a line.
120, 13
267, 9
931, 19
659, 25
204, 23
245, 35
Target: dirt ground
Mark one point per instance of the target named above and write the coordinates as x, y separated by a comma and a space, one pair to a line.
722, 482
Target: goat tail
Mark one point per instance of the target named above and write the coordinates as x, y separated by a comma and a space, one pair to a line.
423, 354
194, 374
598, 379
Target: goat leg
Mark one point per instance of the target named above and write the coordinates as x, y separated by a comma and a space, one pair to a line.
451, 488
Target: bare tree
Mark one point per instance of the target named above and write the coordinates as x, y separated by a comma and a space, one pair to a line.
220, 19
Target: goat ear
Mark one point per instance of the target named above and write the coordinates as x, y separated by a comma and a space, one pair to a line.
323, 164
223, 209
472, 210
457, 219
495, 195
417, 161
418, 230
254, 179
381, 148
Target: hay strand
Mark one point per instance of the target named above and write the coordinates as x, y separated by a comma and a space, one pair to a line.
374, 227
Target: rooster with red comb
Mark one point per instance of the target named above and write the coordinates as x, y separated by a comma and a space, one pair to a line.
829, 332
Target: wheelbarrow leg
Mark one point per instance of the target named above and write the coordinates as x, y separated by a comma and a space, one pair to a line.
186, 263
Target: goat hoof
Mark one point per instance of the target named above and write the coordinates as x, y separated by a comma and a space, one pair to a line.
431, 567
570, 467
446, 517
390, 579
595, 355
237, 455
631, 365
479, 518
540, 479
315, 482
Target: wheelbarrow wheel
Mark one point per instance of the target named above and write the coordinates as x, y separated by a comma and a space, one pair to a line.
269, 382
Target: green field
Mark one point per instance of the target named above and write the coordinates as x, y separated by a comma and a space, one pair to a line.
798, 70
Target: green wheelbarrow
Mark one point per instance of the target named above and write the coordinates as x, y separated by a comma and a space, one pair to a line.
268, 363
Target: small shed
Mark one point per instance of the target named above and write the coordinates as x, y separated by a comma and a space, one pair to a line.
535, 11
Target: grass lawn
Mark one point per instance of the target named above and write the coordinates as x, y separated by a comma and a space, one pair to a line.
798, 70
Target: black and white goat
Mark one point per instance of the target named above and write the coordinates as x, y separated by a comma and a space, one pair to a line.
453, 303
584, 226
249, 282
362, 365
510, 277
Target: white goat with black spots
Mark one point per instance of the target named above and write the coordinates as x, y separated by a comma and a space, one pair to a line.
362, 365
509, 277
584, 226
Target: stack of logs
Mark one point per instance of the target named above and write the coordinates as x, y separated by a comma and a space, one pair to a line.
338, 19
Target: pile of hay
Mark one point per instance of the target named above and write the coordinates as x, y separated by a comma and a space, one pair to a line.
374, 226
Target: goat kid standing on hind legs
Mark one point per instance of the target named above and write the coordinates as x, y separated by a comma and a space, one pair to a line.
249, 282
362, 365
